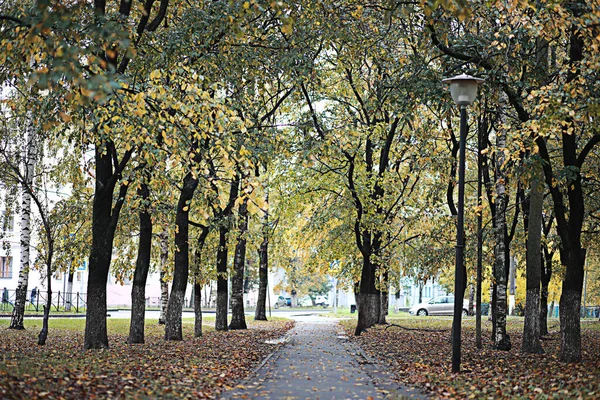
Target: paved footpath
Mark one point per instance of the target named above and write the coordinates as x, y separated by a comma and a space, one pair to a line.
318, 362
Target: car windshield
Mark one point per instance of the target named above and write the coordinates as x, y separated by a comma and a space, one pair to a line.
442, 300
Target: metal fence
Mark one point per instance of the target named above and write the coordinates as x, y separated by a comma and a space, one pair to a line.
69, 302
154, 301
590, 312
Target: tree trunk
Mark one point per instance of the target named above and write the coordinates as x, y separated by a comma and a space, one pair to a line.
481, 134
29, 155
370, 297
43, 335
570, 217
142, 266
471, 299
196, 292
384, 297
546, 276
570, 307
105, 216
182, 262
222, 280
501, 339
69, 293
222, 273
492, 307
164, 286
531, 328
197, 310
263, 271
238, 319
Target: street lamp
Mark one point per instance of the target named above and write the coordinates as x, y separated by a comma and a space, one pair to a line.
463, 89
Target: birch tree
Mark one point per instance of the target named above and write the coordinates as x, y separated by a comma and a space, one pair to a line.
25, 177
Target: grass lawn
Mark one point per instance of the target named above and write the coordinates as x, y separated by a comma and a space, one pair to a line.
419, 352
192, 368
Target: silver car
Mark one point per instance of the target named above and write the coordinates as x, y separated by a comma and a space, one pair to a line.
441, 305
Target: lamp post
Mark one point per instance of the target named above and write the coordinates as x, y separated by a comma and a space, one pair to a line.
463, 89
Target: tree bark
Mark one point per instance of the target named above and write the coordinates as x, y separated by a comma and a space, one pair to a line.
492, 307
164, 286
481, 134
263, 270
260, 313
43, 335
370, 297
546, 276
29, 157
142, 266
238, 319
105, 216
222, 281
385, 301
531, 328
501, 339
204, 231
222, 273
471, 300
182, 263
69, 294
197, 310
570, 307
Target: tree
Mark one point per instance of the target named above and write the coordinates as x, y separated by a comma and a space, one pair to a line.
531, 329
142, 264
263, 269
540, 116
20, 170
238, 319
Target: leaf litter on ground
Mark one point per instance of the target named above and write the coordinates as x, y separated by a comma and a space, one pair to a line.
193, 368
423, 358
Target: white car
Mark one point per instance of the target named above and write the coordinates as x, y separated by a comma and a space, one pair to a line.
305, 301
441, 305
322, 301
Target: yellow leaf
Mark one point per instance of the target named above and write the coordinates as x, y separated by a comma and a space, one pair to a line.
155, 74
64, 116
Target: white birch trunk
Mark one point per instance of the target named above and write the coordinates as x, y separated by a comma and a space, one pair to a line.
501, 340
29, 160
69, 293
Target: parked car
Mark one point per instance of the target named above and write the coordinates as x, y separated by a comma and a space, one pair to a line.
283, 301
305, 301
441, 305
322, 301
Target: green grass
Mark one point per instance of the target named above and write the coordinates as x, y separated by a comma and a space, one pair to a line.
115, 326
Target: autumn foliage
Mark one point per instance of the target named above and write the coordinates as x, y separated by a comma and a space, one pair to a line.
421, 356
193, 368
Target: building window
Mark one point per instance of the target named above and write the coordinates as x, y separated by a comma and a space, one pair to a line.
5, 267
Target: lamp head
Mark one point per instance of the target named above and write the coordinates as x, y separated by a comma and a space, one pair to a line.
463, 88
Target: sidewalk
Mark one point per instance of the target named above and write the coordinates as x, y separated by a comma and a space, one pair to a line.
318, 362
